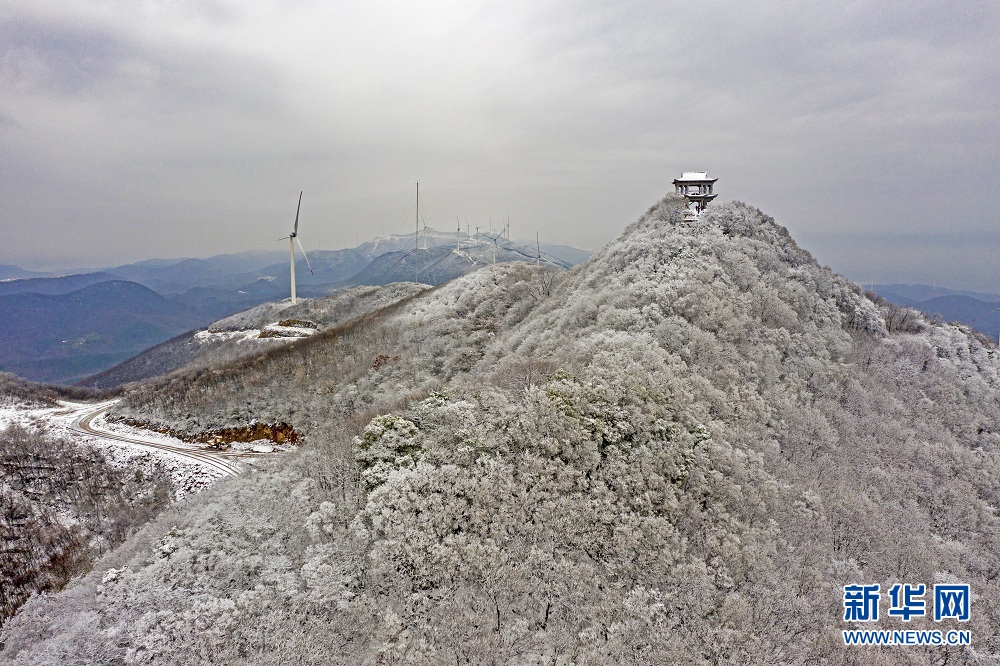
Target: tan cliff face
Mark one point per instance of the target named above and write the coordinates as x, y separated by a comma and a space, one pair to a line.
280, 433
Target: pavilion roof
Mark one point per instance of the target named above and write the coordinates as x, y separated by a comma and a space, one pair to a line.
695, 177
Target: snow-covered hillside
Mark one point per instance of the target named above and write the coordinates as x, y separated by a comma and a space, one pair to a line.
240, 335
679, 451
447, 262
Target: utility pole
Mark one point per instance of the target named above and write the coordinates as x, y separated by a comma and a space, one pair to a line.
416, 240
458, 234
538, 246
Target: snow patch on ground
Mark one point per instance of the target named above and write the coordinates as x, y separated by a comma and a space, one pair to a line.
238, 336
256, 316
260, 446
48, 419
269, 332
278, 331
102, 423
187, 476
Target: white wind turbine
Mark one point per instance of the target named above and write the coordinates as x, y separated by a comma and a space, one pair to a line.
293, 238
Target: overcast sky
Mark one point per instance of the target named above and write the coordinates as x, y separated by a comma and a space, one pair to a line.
132, 129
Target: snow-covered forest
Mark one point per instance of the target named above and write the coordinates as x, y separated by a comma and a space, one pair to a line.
61, 507
679, 451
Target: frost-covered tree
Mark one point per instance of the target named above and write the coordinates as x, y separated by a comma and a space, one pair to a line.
61, 506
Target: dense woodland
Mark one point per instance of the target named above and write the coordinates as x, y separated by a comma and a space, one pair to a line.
17, 391
677, 452
61, 507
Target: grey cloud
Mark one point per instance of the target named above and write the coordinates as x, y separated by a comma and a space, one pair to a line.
8, 122
57, 58
837, 118
81, 60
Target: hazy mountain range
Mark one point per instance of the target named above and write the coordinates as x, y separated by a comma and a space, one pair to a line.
978, 310
63, 337
86, 331
8, 272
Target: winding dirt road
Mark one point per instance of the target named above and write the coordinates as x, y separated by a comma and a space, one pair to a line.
218, 460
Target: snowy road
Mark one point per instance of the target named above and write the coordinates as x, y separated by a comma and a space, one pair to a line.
220, 461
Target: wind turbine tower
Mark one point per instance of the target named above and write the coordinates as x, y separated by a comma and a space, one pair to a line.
293, 238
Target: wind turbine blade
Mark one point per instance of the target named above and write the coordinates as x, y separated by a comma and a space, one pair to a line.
295, 230
304, 255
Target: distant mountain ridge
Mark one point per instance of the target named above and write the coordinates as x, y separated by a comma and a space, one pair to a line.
175, 276
62, 284
923, 292
981, 311
980, 315
200, 291
329, 267
444, 262
10, 272
244, 276
433, 238
64, 337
